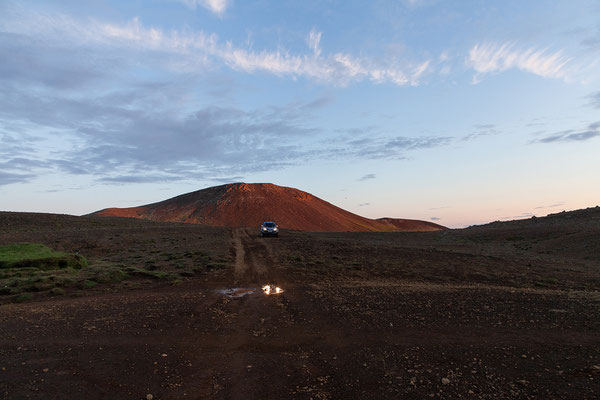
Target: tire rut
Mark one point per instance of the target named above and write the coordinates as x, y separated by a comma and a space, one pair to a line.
254, 267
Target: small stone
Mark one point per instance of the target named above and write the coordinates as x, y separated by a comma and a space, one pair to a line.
445, 381
163, 355
45, 370
471, 392
523, 356
149, 396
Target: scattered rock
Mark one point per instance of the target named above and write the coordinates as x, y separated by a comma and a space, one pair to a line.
149, 396
445, 381
45, 370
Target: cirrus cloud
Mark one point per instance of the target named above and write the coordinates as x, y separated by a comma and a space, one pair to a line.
192, 51
216, 6
572, 135
490, 58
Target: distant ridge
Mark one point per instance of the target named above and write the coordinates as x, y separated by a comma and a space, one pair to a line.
249, 204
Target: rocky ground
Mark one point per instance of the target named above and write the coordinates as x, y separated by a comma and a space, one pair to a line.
486, 313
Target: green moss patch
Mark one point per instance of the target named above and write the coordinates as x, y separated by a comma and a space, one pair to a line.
35, 255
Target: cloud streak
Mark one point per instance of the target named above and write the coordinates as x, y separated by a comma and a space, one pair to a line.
590, 132
550, 206
367, 177
488, 58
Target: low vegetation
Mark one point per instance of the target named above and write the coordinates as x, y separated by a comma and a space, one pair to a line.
35, 255
50, 256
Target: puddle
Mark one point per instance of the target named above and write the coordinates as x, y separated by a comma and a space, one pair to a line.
236, 293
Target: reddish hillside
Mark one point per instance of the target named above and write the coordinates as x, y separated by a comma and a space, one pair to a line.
399, 224
243, 204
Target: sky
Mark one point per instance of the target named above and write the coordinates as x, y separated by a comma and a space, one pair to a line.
459, 113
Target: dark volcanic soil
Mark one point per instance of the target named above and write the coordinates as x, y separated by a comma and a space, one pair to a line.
465, 314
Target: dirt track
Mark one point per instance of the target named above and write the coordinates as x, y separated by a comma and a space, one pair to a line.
253, 259
321, 339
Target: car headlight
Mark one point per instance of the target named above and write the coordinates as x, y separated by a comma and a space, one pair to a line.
264, 229
275, 229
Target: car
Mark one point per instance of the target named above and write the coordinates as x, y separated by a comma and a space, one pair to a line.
269, 228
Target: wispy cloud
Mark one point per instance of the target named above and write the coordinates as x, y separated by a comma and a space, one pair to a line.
364, 204
140, 178
595, 99
489, 58
7, 178
367, 177
435, 218
192, 51
314, 42
524, 215
590, 132
370, 143
550, 206
481, 130
216, 6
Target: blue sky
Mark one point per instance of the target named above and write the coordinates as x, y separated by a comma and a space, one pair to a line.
454, 112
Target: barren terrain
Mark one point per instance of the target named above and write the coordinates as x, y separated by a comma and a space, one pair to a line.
506, 310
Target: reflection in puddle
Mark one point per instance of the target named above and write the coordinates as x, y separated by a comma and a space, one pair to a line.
272, 289
236, 292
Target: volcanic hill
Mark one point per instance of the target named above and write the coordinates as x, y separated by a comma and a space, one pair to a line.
249, 204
